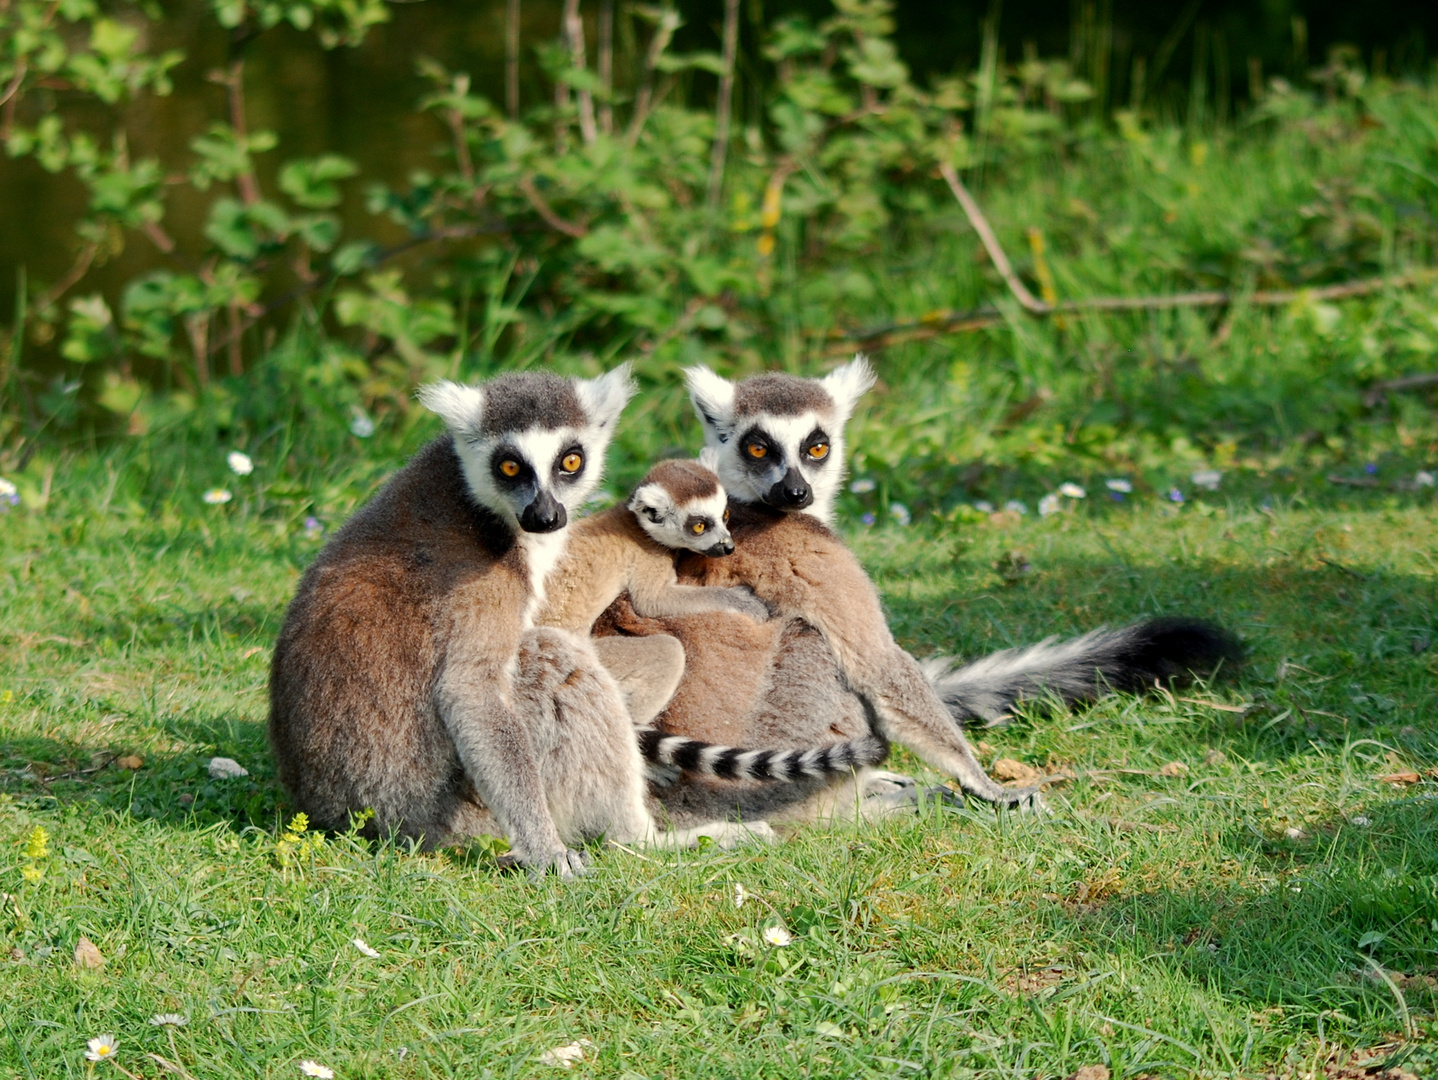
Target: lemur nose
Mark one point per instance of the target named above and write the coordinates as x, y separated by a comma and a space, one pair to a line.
796, 491
724, 547
544, 514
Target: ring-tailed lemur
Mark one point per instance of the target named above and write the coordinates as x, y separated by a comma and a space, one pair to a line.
409, 679
679, 506
833, 668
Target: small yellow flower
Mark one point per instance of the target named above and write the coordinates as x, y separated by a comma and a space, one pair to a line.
101, 1047
37, 844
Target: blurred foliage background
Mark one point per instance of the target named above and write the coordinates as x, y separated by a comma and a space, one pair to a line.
237, 221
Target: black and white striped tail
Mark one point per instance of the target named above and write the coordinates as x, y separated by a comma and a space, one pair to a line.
1131, 658
733, 763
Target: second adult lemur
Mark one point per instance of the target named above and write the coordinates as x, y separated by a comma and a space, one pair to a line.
678, 507
829, 665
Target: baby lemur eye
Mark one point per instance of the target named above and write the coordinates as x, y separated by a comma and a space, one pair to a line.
819, 451
509, 467
756, 450
726, 514
572, 462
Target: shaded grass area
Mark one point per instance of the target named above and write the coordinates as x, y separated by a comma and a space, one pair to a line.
1227, 884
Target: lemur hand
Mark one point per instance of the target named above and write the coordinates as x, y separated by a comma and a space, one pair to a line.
741, 598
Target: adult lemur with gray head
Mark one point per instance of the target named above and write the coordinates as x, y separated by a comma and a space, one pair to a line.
828, 667
409, 677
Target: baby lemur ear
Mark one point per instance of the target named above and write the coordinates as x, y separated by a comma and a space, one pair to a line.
652, 502
713, 398
847, 384
604, 398
460, 407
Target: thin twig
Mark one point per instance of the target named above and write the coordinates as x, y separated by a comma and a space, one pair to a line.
170, 1066
991, 244
604, 66
724, 106
1378, 391
75, 273
643, 100
511, 59
544, 210
574, 33
234, 83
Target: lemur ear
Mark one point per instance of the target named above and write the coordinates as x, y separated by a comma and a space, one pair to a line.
460, 407
709, 458
713, 398
604, 398
653, 502
847, 384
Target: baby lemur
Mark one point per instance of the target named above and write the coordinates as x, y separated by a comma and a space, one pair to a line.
679, 506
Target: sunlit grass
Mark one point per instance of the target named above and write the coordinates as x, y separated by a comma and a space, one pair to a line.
1227, 886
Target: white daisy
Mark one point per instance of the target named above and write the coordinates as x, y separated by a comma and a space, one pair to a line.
314, 1068
1017, 507
1207, 479
983, 506
1119, 484
217, 496
1070, 490
359, 944
169, 1020
1050, 504
361, 426
899, 512
740, 895
862, 487
777, 936
101, 1047
1423, 478
240, 464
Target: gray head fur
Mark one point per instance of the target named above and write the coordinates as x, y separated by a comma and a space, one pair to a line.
780, 438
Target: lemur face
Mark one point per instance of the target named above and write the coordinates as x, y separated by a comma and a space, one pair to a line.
682, 506
780, 438
532, 444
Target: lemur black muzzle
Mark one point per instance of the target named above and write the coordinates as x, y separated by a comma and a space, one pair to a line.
544, 515
724, 547
790, 493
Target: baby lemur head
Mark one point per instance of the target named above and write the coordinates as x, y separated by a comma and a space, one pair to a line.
780, 438
682, 506
532, 443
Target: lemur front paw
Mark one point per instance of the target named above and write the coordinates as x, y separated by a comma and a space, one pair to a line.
741, 598
731, 834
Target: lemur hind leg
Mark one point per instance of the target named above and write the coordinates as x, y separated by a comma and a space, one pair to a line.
647, 669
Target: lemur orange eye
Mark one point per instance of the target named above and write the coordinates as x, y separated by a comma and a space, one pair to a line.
509, 467
819, 451
571, 462
697, 528
756, 450
726, 513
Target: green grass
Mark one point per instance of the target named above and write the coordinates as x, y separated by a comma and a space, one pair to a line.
1160, 924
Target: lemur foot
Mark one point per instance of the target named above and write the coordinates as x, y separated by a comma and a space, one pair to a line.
732, 834
565, 864
887, 793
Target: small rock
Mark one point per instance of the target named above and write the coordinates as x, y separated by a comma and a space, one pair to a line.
17, 954
1173, 768
1215, 757
223, 768
87, 956
1090, 1072
130, 761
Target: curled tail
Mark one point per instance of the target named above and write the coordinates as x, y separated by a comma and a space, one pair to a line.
1130, 659
733, 763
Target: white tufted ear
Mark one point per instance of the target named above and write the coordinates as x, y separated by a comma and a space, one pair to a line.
709, 458
460, 407
713, 398
847, 384
604, 398
654, 503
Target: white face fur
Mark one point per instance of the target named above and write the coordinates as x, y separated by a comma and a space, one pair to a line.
691, 525
787, 453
